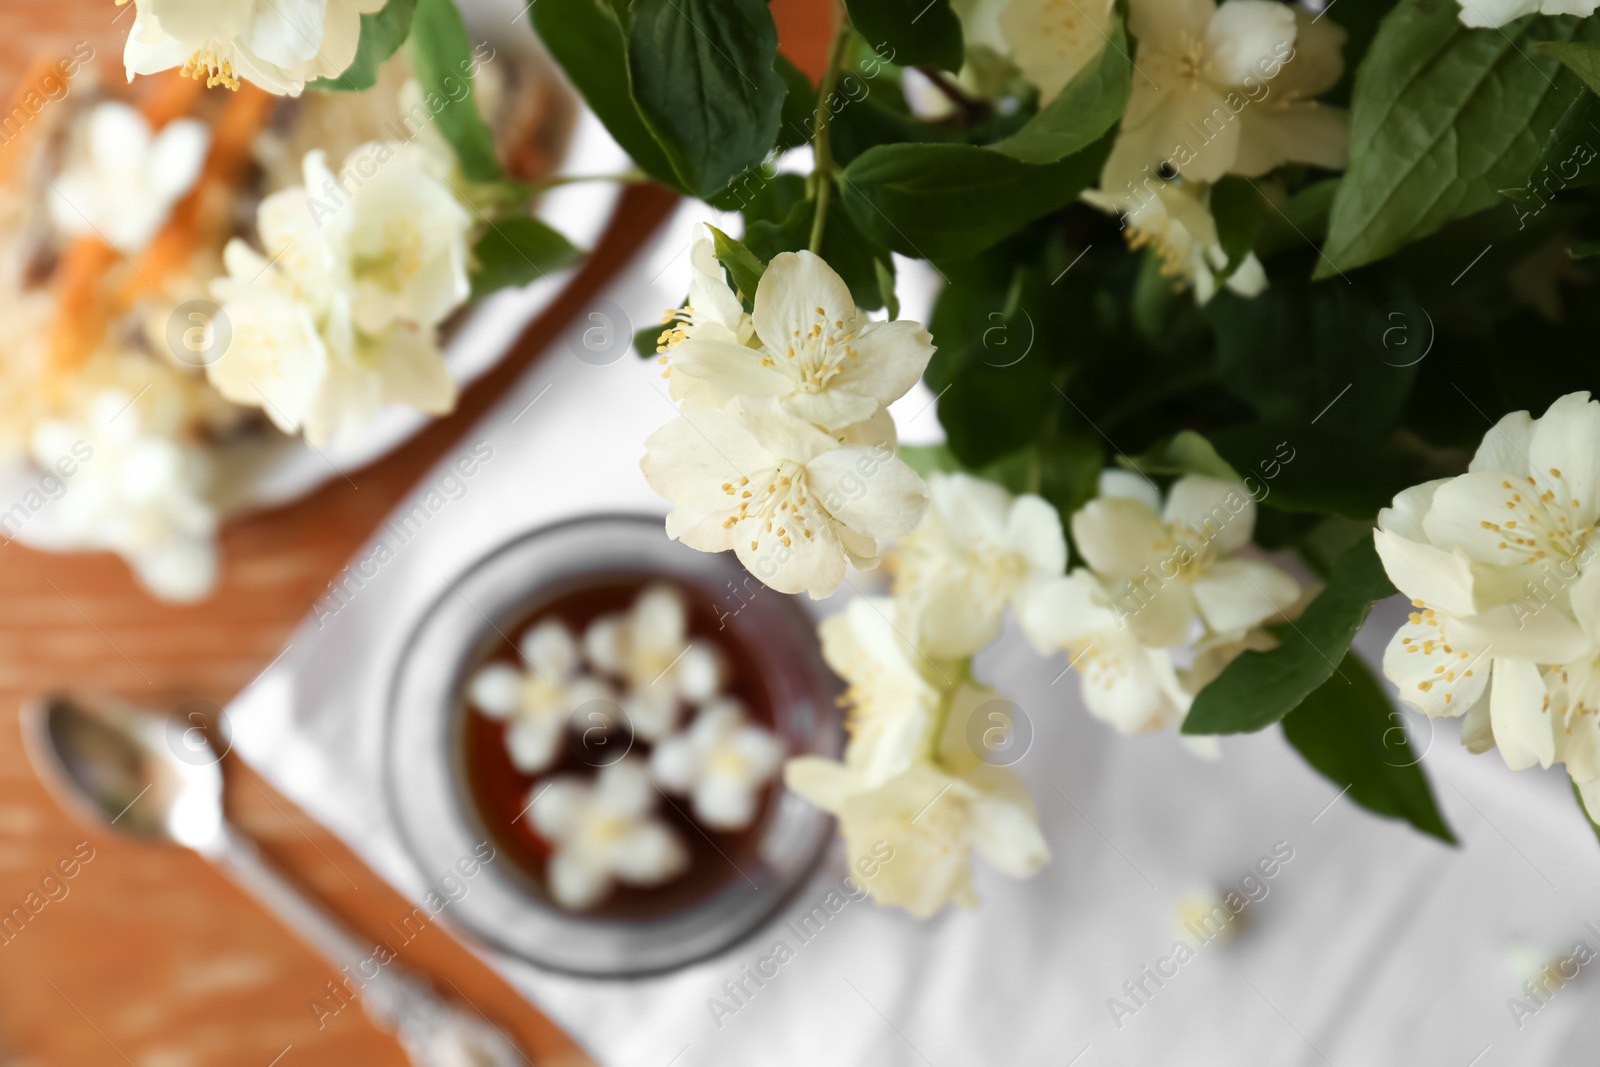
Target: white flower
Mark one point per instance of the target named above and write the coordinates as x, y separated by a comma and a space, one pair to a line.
1174, 218
1226, 90
1167, 569
929, 815
603, 832
139, 494
1499, 565
722, 761
1126, 684
824, 359
371, 261
794, 503
539, 703
894, 695
124, 186
977, 550
279, 45
1052, 40
276, 359
713, 311
1495, 13
647, 647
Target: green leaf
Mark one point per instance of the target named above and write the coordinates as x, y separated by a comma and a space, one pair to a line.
1069, 473
1090, 105
1239, 211
589, 42
1347, 730
646, 341
937, 201
915, 32
382, 33
445, 63
1584, 249
1259, 688
1564, 160
516, 252
928, 460
990, 411
1186, 452
1578, 796
1356, 349
1299, 467
703, 80
742, 265
1580, 57
847, 250
1442, 118
799, 106
1301, 220
884, 268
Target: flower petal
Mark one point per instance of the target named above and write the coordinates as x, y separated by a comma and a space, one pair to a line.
1007, 835
1118, 537
1066, 610
1565, 456
1214, 512
1520, 715
1244, 34
889, 358
1434, 676
824, 782
798, 291
1297, 131
690, 460
868, 490
1033, 530
1237, 594
708, 370
1050, 42
1129, 686
1427, 574
1504, 449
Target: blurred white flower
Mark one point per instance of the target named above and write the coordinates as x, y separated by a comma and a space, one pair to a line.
1052, 41
721, 762
1174, 219
822, 358
1226, 90
373, 260
1132, 687
793, 502
930, 815
1165, 570
127, 179
276, 360
977, 550
539, 702
647, 648
602, 832
278, 45
894, 695
1499, 564
1496, 13
141, 495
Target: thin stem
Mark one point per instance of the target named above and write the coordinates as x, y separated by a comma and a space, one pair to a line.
626, 177
822, 149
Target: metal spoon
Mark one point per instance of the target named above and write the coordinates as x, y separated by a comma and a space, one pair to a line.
114, 765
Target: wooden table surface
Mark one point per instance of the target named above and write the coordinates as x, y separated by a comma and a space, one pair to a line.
151, 958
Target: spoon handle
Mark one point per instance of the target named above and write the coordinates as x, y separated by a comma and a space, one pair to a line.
433, 1031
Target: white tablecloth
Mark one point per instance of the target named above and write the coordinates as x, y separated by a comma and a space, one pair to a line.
1372, 945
